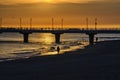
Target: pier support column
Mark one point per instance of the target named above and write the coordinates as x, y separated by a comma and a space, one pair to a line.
25, 36
91, 38
57, 37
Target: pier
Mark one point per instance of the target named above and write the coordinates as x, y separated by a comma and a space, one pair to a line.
58, 32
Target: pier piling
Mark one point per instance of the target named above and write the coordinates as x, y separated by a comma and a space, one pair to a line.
57, 37
91, 38
26, 35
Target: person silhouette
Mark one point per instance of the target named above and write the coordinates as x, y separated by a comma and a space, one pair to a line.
58, 49
96, 39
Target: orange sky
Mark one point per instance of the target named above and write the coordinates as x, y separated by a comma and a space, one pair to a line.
53, 1
48, 1
75, 13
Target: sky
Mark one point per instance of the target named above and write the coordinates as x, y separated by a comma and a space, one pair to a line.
74, 12
49, 1
53, 1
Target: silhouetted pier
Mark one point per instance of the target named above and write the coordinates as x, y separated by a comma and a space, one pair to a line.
58, 32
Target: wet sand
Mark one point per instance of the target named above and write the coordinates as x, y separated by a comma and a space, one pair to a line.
98, 62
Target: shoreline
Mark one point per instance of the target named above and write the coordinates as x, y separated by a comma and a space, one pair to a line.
36, 52
97, 62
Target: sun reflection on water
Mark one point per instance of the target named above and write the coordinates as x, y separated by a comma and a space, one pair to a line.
48, 38
44, 38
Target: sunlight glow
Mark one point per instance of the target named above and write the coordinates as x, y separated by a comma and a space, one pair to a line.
47, 38
49, 1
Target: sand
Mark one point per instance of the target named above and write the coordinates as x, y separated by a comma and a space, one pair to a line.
97, 62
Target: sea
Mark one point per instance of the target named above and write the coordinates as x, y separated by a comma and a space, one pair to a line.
43, 44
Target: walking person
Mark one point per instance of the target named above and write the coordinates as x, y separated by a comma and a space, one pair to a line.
96, 39
58, 49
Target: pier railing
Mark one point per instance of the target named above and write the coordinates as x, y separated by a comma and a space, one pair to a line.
37, 28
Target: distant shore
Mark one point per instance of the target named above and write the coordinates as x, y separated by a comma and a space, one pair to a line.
97, 62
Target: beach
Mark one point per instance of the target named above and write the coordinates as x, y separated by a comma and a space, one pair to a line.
100, 61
